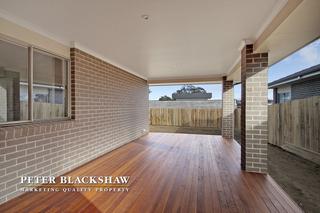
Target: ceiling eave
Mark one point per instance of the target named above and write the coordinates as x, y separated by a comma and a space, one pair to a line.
268, 28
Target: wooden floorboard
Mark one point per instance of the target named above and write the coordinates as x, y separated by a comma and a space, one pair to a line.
168, 173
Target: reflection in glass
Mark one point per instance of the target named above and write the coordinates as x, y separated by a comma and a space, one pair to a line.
49, 86
13, 82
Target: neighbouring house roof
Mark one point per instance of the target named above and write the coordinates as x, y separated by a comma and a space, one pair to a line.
202, 104
309, 73
192, 96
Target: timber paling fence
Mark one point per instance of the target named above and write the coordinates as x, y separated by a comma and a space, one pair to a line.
186, 117
42, 111
295, 123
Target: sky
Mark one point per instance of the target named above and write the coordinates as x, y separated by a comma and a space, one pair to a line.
307, 56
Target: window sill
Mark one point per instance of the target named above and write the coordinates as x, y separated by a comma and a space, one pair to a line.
35, 122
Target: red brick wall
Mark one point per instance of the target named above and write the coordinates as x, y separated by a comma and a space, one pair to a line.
109, 108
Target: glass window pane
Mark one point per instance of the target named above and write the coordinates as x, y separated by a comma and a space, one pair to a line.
49, 86
13, 82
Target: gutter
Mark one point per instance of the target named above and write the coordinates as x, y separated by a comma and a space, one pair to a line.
295, 79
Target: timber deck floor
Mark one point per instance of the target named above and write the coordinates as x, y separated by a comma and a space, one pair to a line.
168, 173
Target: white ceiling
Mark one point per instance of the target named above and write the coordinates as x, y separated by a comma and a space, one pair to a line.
181, 39
300, 27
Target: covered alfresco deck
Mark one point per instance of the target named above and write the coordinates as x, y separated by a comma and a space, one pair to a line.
168, 173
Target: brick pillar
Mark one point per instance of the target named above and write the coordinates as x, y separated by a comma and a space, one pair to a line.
227, 108
254, 110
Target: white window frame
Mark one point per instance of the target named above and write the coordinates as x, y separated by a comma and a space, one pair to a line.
282, 97
67, 104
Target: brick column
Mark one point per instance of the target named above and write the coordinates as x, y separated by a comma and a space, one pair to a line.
227, 108
254, 110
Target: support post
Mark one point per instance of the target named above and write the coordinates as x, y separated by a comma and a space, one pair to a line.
227, 109
254, 110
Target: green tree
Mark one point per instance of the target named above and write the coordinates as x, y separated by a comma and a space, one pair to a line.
190, 89
165, 98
